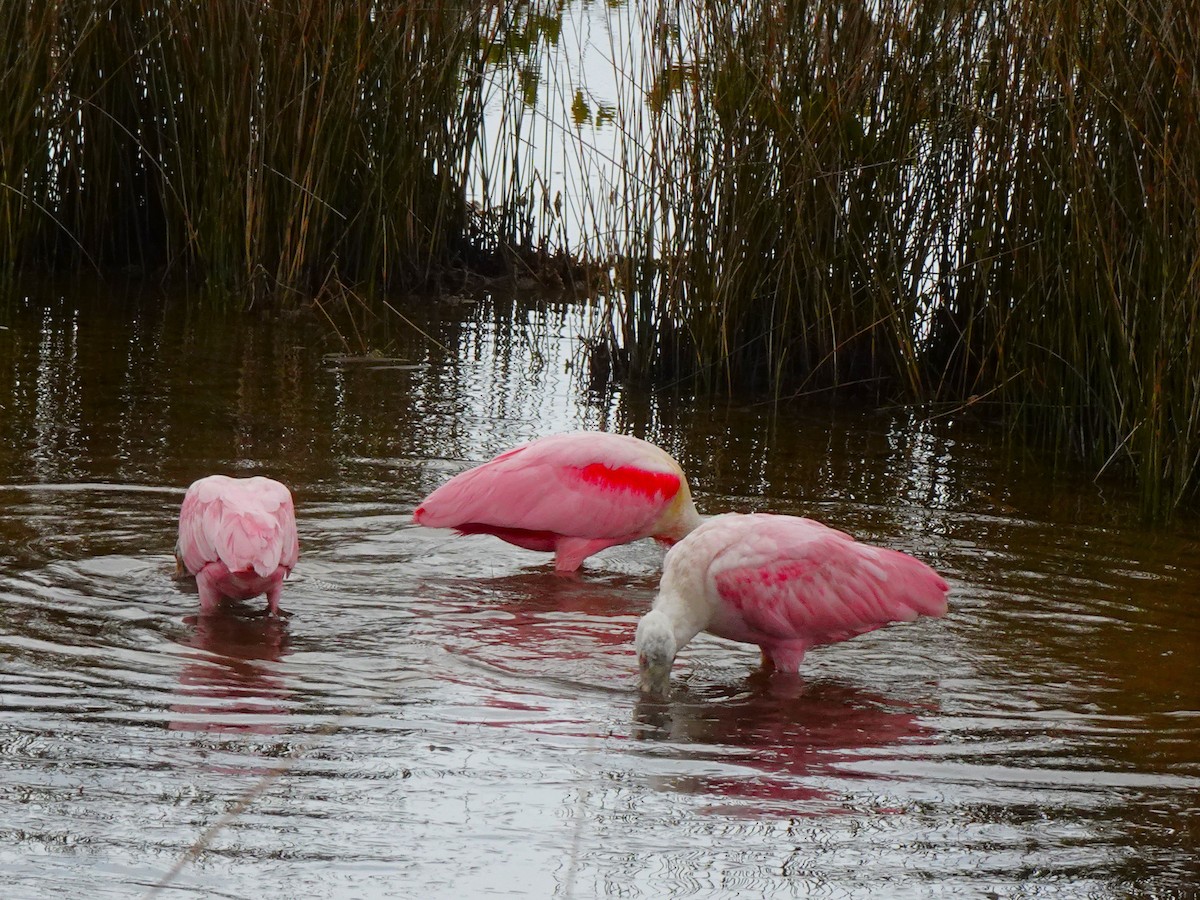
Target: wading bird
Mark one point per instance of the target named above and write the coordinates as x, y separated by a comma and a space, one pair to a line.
238, 537
571, 494
782, 582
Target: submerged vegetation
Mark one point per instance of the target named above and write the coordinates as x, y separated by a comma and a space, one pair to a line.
978, 203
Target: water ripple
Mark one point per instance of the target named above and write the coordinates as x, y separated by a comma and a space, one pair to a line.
446, 717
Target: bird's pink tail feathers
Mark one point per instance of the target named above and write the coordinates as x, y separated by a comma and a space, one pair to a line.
249, 539
916, 585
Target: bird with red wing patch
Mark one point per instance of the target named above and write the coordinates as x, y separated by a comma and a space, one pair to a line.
571, 494
781, 582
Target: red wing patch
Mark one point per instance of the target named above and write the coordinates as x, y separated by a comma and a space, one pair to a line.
630, 479
803, 600
752, 587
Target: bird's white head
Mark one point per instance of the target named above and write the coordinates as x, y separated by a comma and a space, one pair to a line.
656, 649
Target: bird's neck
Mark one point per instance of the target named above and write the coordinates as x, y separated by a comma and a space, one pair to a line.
681, 518
684, 604
689, 517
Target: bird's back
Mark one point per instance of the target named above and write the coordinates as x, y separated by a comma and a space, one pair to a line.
584, 483
247, 524
784, 578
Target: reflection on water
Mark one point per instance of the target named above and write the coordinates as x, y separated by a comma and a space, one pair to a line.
230, 682
457, 720
788, 734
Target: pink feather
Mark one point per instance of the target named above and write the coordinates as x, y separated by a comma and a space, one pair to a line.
784, 583
573, 494
784, 580
238, 537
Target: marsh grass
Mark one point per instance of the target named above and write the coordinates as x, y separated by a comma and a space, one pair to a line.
262, 145
982, 203
971, 203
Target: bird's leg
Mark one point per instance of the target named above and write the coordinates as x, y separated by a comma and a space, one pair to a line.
210, 597
570, 552
571, 574
274, 592
768, 664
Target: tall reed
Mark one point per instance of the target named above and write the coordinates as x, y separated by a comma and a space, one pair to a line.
967, 201
248, 142
974, 202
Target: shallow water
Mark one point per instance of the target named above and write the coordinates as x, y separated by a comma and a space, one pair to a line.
445, 717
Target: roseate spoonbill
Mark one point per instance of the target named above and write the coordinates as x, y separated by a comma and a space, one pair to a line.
571, 494
238, 537
782, 582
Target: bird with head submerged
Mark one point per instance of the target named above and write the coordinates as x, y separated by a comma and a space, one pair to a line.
782, 582
237, 536
568, 494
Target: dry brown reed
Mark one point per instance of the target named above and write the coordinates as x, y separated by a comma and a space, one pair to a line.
248, 143
975, 201
985, 202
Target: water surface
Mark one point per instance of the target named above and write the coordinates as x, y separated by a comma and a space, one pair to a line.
446, 717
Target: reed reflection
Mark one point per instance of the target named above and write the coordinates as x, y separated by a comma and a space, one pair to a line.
533, 618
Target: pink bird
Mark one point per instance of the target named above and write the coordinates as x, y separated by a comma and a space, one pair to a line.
238, 537
570, 494
781, 582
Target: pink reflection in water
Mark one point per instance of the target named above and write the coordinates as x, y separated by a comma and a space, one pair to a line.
760, 745
531, 624
792, 737
230, 683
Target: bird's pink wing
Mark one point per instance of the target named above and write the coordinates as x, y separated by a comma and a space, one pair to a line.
243, 523
817, 585
570, 486
275, 501
194, 547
